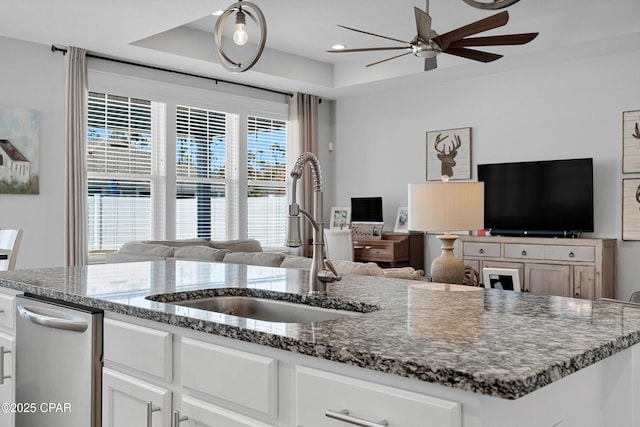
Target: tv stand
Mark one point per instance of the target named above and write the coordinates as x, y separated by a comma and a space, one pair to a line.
532, 233
581, 268
392, 250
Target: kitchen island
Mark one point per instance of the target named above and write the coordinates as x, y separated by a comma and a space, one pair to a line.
480, 357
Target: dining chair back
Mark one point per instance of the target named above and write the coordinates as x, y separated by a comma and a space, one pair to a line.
9, 245
338, 244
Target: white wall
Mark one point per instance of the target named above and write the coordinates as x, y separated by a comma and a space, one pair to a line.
32, 77
564, 110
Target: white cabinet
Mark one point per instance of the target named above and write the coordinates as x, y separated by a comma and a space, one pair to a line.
130, 402
7, 353
323, 397
195, 412
581, 268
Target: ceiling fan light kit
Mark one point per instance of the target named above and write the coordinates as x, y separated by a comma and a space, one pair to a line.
492, 4
242, 10
428, 44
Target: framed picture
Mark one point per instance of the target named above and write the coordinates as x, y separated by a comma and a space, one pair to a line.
506, 279
631, 209
449, 153
631, 141
402, 221
19, 151
340, 217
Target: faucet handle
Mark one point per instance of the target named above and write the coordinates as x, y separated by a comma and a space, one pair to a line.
336, 276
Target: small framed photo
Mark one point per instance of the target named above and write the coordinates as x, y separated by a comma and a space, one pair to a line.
631, 209
631, 142
449, 153
340, 217
507, 279
402, 221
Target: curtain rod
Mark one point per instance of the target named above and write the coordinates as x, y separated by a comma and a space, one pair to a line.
55, 48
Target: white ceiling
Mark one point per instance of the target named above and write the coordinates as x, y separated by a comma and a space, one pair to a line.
177, 34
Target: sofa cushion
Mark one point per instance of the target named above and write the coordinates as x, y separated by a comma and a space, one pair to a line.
299, 262
241, 245
361, 268
201, 253
178, 243
148, 249
403, 273
268, 259
113, 257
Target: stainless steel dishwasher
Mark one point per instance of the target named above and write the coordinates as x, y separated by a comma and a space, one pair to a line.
58, 364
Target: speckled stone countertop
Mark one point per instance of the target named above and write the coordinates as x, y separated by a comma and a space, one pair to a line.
493, 342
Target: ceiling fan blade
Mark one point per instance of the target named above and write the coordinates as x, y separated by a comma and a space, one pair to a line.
423, 24
476, 55
388, 59
368, 49
489, 23
430, 63
510, 39
372, 34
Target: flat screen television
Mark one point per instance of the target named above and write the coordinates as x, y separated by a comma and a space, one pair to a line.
366, 209
553, 197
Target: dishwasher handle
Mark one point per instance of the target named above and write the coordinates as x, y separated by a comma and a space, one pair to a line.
52, 322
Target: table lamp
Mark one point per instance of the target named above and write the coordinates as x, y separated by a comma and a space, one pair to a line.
446, 207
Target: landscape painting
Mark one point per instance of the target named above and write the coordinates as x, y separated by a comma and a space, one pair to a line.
19, 151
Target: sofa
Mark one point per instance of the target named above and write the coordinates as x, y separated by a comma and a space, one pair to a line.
243, 251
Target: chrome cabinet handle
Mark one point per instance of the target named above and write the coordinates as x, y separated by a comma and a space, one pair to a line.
343, 415
2, 375
176, 419
150, 410
52, 322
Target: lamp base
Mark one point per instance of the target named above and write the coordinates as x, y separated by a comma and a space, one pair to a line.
447, 268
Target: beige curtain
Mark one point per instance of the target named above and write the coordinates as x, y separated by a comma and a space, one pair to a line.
75, 139
307, 123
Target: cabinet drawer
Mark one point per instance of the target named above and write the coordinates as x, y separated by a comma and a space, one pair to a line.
139, 348
318, 392
571, 253
478, 249
369, 253
202, 413
524, 251
234, 376
7, 311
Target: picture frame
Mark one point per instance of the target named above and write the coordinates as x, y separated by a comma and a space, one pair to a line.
340, 217
507, 279
631, 209
402, 220
449, 153
631, 141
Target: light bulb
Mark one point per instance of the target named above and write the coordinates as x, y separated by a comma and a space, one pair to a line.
240, 36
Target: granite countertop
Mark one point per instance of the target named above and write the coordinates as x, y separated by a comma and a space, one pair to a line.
493, 342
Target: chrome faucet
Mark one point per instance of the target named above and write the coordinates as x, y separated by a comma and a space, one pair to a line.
318, 276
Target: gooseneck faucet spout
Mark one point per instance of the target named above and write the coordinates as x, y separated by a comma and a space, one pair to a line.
318, 276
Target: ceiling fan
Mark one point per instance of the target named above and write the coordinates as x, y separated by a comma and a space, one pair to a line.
428, 44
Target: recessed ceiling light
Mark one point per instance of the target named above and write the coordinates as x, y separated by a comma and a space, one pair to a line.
338, 47
218, 13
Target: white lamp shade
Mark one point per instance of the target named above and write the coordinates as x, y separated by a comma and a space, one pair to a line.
446, 206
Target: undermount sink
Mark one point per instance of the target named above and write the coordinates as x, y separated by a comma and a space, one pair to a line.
266, 309
270, 306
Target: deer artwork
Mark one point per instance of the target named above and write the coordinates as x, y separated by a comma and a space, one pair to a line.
447, 158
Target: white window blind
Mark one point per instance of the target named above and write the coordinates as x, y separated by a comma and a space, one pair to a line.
266, 180
120, 169
202, 138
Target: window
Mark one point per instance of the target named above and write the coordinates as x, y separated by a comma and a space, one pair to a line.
201, 171
120, 170
229, 179
266, 175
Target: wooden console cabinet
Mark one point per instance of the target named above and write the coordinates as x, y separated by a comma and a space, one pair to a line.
581, 268
392, 250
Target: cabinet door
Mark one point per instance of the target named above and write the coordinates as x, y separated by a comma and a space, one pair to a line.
548, 279
128, 402
197, 413
584, 285
7, 386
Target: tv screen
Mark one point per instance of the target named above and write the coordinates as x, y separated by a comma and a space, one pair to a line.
543, 196
366, 209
